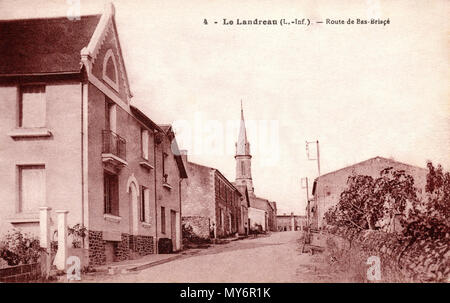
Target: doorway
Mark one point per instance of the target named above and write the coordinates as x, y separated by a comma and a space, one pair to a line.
173, 228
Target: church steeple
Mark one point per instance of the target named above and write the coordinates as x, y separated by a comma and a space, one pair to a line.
242, 145
243, 157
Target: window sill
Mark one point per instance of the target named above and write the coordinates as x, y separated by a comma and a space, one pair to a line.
24, 219
112, 218
167, 185
146, 225
145, 164
30, 132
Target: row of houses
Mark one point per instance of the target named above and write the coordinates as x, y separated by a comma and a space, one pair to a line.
327, 188
215, 207
71, 139
291, 222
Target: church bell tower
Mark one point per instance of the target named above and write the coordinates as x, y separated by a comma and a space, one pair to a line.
243, 158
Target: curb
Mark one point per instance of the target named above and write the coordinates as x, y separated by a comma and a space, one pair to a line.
151, 264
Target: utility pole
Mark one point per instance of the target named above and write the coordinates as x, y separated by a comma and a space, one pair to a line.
317, 153
318, 157
307, 199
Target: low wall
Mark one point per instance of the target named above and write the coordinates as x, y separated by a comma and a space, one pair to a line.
200, 225
400, 261
143, 245
21, 273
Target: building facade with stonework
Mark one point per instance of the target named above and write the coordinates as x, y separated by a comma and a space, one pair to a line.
211, 204
71, 140
262, 212
328, 187
291, 222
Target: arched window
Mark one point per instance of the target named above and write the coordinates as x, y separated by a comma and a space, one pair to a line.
110, 73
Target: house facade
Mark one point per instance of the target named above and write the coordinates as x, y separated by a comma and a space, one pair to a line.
72, 140
291, 222
211, 204
328, 188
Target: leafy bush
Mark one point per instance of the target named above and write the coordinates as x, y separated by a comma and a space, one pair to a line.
370, 203
78, 233
431, 218
190, 236
18, 248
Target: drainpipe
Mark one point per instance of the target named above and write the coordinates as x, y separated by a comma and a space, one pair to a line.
156, 198
181, 229
83, 105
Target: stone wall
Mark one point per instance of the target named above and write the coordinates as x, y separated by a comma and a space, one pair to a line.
21, 273
144, 245
200, 225
129, 243
122, 248
401, 261
97, 254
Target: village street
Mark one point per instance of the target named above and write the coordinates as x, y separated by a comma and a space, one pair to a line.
274, 258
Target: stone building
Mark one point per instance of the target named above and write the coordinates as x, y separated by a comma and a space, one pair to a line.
328, 187
211, 204
291, 222
262, 212
72, 140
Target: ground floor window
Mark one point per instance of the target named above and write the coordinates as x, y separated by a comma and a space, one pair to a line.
31, 188
111, 193
145, 204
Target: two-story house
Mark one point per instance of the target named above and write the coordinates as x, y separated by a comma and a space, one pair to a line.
70, 139
211, 204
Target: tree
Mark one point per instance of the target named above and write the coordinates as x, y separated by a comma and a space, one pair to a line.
430, 218
370, 203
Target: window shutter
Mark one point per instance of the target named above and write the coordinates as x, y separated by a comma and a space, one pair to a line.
32, 186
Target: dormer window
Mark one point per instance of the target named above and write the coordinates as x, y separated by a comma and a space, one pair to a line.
110, 73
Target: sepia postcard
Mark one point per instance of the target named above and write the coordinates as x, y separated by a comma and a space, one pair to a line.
224, 142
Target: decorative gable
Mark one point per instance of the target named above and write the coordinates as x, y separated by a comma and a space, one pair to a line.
104, 62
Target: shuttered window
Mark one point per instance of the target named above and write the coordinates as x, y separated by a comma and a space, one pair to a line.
31, 188
145, 205
111, 194
32, 107
144, 143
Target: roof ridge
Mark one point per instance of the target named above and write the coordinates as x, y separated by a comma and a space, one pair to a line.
373, 158
45, 18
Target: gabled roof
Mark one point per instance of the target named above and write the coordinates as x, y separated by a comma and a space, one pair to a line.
167, 129
44, 46
369, 160
231, 184
378, 158
144, 119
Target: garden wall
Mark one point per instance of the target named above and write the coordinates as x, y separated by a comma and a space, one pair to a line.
421, 261
21, 273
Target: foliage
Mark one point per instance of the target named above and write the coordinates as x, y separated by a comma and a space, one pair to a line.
18, 248
430, 218
256, 229
189, 235
370, 203
78, 232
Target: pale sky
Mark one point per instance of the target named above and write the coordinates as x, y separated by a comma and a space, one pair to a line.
361, 90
